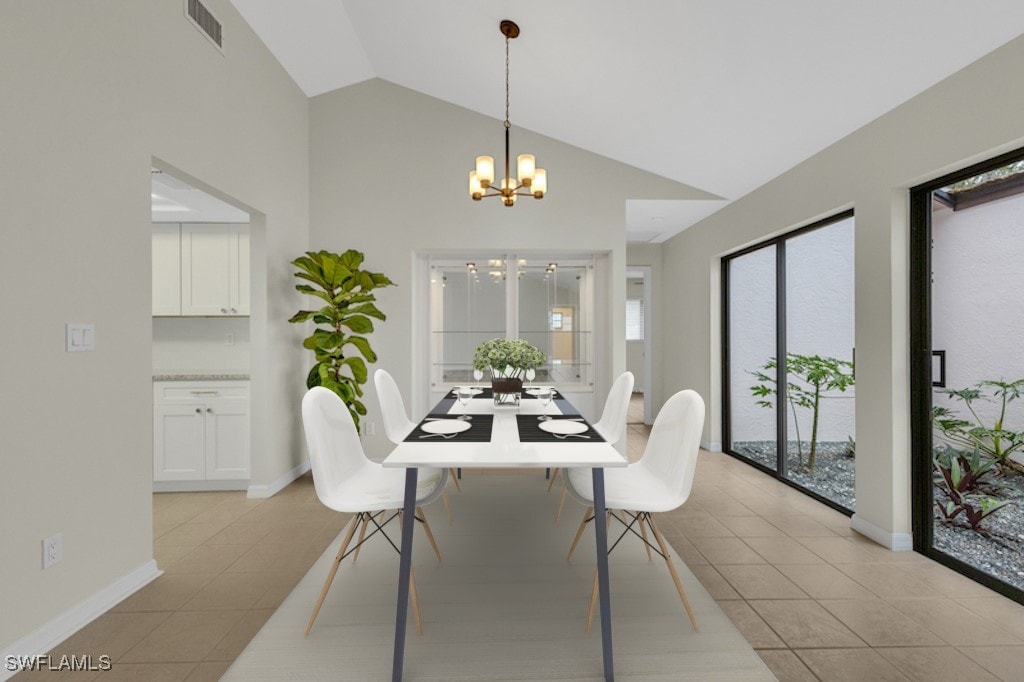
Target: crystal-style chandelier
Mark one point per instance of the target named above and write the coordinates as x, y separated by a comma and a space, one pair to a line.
531, 179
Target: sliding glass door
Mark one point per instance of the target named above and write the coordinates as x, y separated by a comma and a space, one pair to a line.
789, 312
968, 376
752, 334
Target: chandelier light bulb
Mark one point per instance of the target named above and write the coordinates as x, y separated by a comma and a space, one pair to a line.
485, 170
475, 189
526, 165
540, 183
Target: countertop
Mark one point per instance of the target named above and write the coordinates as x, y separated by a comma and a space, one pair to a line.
198, 375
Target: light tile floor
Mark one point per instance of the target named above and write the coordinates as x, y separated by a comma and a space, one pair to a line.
819, 601
815, 599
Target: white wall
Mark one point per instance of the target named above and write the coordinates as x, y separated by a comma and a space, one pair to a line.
977, 309
389, 171
200, 343
973, 114
92, 93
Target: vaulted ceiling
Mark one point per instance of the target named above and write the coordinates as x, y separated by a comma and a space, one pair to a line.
722, 95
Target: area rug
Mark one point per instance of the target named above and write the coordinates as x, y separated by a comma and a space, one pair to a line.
504, 604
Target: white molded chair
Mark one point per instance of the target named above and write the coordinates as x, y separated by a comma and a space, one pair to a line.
346, 481
611, 425
659, 482
397, 424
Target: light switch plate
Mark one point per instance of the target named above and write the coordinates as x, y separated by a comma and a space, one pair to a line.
80, 337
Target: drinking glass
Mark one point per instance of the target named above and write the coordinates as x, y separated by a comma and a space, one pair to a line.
530, 374
544, 395
478, 374
464, 394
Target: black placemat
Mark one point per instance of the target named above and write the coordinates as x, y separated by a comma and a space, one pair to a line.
488, 394
479, 430
530, 431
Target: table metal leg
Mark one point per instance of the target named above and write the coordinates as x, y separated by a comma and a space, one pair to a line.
404, 570
601, 533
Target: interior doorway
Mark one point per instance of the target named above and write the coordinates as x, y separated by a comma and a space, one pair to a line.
638, 343
202, 294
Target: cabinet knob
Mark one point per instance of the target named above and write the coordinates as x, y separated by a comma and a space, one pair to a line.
234, 310
210, 410
199, 410
224, 310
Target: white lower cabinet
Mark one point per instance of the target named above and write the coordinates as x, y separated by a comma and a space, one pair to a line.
200, 431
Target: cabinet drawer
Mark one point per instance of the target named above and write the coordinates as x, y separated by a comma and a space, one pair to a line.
178, 392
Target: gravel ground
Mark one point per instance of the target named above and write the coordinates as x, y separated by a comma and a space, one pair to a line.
998, 548
833, 473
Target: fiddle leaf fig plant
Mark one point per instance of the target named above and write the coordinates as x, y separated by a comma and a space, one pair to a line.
342, 322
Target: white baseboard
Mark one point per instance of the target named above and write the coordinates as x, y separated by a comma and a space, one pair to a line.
50, 634
897, 542
193, 486
711, 446
274, 487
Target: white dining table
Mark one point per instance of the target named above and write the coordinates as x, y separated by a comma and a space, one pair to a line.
503, 450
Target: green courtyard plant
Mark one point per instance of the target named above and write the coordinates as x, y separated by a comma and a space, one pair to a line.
810, 378
343, 321
995, 441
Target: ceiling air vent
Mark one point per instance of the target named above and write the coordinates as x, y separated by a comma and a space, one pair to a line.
202, 19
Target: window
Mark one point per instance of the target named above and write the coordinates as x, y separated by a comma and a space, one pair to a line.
546, 300
635, 319
792, 298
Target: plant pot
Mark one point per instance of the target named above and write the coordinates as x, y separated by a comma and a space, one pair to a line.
506, 391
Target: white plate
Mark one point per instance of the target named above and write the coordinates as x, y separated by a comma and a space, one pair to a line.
534, 390
563, 426
472, 390
445, 426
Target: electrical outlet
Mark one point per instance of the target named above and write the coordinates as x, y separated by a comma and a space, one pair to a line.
52, 550
229, 340
370, 428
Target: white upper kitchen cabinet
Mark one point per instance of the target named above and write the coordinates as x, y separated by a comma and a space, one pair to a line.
214, 269
166, 269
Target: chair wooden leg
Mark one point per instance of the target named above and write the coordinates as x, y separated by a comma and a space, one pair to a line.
455, 477
579, 533
561, 502
359, 541
334, 569
415, 601
554, 475
593, 603
447, 506
672, 570
643, 534
426, 529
